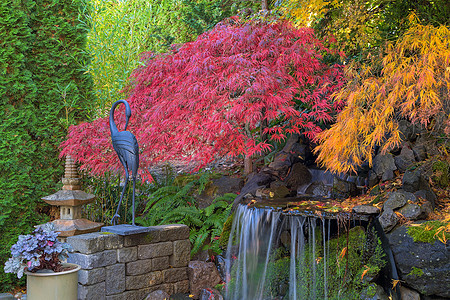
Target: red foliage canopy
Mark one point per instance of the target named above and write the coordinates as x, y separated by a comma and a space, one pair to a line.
208, 98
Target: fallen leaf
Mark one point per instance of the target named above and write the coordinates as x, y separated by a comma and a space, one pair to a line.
395, 282
365, 272
343, 252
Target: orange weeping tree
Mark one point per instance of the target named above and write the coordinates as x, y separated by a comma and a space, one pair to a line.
413, 83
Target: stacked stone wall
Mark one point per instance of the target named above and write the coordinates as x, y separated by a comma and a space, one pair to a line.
115, 267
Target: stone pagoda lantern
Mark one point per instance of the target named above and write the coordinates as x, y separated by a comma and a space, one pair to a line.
70, 199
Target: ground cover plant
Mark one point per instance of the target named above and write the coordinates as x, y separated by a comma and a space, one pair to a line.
228, 93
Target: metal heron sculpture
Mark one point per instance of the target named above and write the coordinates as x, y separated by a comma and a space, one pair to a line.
127, 148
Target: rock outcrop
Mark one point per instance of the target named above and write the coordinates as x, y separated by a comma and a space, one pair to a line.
424, 267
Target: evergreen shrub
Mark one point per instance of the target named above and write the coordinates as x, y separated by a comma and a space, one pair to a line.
41, 92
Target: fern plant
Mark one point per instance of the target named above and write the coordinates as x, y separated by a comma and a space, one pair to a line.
176, 203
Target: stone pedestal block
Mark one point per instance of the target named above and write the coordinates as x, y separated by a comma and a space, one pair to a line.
130, 267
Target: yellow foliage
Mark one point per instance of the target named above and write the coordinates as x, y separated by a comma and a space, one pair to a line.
414, 84
354, 23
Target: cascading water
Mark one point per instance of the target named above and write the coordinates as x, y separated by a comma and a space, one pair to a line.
277, 255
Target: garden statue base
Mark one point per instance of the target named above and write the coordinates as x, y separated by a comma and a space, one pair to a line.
131, 266
126, 229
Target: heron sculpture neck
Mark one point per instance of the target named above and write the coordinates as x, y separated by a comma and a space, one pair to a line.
112, 124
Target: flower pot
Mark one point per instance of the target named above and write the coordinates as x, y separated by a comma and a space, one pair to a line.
53, 286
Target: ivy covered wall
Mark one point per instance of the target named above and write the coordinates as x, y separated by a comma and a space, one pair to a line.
41, 92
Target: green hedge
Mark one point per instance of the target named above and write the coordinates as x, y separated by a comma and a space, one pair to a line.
41, 92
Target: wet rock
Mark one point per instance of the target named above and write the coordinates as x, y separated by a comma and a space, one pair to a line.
343, 189
318, 189
384, 166
427, 195
298, 176
424, 267
219, 187
254, 182
408, 294
281, 192
202, 275
395, 200
279, 189
210, 294
263, 193
388, 219
411, 211
413, 181
366, 210
158, 295
221, 262
405, 159
280, 165
276, 184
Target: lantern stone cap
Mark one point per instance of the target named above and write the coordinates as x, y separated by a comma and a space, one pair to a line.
75, 227
69, 198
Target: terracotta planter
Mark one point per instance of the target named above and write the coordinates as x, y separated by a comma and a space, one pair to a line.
53, 286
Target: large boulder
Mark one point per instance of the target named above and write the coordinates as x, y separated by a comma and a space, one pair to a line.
388, 219
298, 176
384, 166
280, 165
395, 200
413, 181
405, 159
424, 267
202, 275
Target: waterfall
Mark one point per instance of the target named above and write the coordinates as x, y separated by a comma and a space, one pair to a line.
254, 240
276, 254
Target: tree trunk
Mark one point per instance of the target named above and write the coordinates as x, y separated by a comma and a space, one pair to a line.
264, 5
248, 165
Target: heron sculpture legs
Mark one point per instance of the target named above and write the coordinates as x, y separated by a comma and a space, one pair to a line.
116, 215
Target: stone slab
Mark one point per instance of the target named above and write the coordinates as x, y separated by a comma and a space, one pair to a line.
87, 243
90, 277
95, 260
115, 279
6, 296
126, 229
92, 292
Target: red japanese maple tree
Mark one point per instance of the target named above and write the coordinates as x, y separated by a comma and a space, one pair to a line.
218, 96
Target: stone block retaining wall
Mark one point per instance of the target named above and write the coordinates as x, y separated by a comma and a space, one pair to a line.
115, 267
